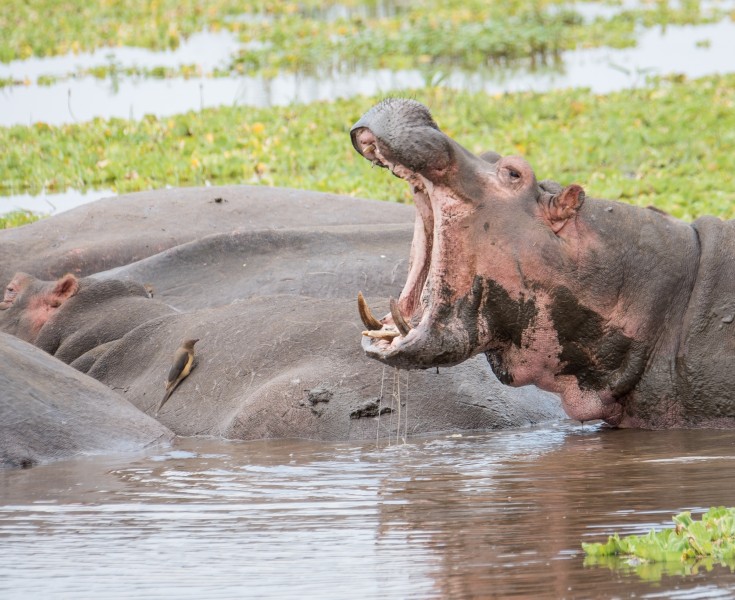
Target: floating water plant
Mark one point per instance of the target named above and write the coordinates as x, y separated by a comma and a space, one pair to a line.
690, 544
629, 145
310, 35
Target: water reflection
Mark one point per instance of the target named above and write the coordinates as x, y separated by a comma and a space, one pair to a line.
209, 50
499, 514
690, 50
51, 204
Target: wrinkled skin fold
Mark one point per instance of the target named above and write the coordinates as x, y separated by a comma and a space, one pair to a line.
624, 312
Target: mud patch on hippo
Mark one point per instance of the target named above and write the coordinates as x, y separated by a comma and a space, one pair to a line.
369, 409
505, 318
597, 355
315, 399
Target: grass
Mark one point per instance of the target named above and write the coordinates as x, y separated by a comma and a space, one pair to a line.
634, 145
320, 35
17, 218
689, 546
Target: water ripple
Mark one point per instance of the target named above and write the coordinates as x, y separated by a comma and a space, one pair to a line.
488, 514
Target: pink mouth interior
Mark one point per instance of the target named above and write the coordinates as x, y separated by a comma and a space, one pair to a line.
409, 301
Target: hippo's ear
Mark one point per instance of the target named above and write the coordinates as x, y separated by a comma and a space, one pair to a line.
561, 207
66, 287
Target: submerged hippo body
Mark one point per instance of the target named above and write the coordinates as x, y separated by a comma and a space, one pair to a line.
626, 313
118, 231
49, 411
270, 298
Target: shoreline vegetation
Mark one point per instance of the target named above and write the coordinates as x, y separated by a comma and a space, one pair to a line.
667, 145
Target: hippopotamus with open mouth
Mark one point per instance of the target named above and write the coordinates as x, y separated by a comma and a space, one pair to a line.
625, 312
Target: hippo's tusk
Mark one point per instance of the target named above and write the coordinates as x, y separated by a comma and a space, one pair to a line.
368, 319
398, 319
383, 334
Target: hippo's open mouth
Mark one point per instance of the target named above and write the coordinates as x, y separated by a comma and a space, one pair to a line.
414, 334
385, 337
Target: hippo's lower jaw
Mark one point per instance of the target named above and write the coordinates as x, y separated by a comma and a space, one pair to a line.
395, 342
419, 348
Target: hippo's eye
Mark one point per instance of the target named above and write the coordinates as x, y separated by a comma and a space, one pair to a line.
514, 174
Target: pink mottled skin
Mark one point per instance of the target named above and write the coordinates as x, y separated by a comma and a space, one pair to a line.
557, 290
44, 299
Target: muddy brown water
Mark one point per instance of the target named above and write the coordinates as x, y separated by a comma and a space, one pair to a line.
496, 514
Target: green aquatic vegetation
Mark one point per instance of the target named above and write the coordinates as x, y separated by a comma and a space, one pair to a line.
634, 145
684, 549
17, 218
53, 27
317, 36
469, 36
10, 81
114, 72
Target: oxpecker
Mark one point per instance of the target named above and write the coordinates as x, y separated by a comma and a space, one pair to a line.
183, 362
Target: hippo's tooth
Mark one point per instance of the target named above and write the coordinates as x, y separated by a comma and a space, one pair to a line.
398, 319
383, 334
368, 319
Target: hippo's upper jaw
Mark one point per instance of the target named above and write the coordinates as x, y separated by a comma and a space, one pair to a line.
555, 290
405, 338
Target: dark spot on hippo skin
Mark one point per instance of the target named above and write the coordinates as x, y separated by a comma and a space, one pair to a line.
11, 461
657, 210
371, 408
495, 359
487, 301
486, 227
596, 355
317, 396
506, 318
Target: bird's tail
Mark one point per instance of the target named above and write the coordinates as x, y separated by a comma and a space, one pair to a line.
165, 399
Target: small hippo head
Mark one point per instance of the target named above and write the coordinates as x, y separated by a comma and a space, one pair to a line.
28, 303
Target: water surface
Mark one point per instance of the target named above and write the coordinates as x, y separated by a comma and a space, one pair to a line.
692, 50
493, 514
51, 204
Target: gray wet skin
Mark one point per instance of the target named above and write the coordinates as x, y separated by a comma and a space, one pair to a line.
265, 279
622, 311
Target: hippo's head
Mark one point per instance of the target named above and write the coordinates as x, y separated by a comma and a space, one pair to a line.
554, 290
28, 303
469, 289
